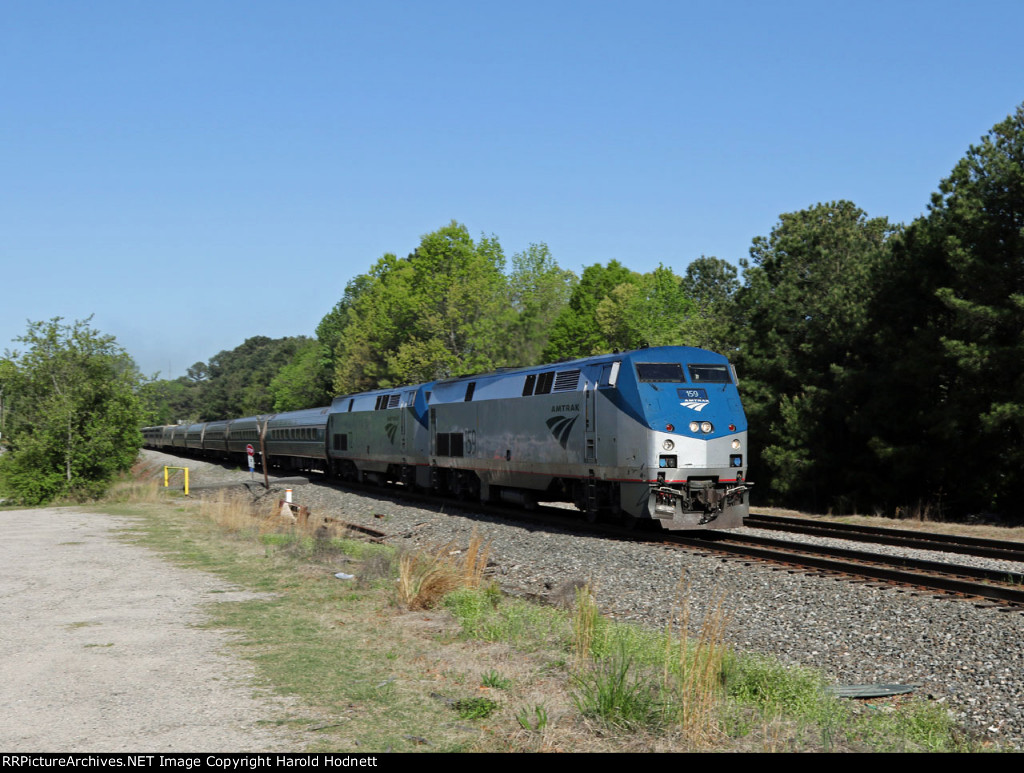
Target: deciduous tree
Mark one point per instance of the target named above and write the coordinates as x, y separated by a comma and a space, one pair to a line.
73, 415
439, 312
575, 332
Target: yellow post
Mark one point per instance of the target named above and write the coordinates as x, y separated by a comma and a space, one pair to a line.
168, 467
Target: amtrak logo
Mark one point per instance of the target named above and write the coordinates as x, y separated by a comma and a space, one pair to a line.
561, 427
695, 405
693, 398
391, 428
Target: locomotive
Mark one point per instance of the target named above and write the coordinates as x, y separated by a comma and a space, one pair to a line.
656, 433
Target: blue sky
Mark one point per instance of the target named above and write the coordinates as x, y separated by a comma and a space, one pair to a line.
195, 173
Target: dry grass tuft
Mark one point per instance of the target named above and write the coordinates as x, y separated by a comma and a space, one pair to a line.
586, 619
695, 682
236, 512
426, 577
130, 491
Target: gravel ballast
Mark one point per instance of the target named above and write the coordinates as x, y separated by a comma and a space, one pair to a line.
969, 658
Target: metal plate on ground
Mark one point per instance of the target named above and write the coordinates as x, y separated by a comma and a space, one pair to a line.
870, 690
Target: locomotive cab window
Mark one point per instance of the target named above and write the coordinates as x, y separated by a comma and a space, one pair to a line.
660, 372
710, 374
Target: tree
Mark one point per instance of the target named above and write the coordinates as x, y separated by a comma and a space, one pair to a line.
238, 381
538, 291
613, 308
74, 413
304, 382
650, 310
441, 311
711, 285
949, 317
803, 316
575, 332
8, 372
171, 401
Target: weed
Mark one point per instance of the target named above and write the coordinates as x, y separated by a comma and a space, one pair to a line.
425, 578
520, 624
693, 672
538, 723
238, 514
492, 593
475, 708
917, 726
618, 694
468, 605
766, 684
586, 621
493, 679
128, 490
337, 651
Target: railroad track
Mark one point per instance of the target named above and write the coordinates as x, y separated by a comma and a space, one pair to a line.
948, 543
1004, 588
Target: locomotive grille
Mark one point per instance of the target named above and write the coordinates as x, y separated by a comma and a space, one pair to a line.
566, 381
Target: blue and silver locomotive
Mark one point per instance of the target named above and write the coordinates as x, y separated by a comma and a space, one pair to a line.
654, 433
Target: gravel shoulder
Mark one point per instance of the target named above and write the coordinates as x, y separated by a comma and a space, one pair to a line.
99, 649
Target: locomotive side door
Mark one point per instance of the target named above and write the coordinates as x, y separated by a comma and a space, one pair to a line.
405, 416
590, 425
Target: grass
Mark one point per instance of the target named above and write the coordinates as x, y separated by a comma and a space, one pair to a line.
619, 694
495, 680
535, 721
673, 690
411, 654
475, 708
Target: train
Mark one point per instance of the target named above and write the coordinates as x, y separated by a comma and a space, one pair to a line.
656, 434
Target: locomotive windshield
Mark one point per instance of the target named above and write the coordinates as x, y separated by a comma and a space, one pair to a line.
660, 371
710, 374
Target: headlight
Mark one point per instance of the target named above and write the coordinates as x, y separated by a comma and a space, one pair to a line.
668, 445
694, 426
736, 443
705, 427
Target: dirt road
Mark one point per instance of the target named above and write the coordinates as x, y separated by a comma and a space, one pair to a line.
99, 651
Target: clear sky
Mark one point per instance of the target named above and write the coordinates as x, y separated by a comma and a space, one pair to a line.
197, 172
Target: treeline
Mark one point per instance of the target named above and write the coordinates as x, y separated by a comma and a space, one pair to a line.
451, 308
882, 365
